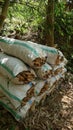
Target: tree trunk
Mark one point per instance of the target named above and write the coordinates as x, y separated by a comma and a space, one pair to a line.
4, 13
48, 34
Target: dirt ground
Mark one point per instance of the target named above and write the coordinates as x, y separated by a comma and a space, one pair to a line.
55, 114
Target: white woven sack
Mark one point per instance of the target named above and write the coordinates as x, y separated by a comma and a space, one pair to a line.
20, 113
44, 72
21, 49
10, 67
51, 52
15, 93
51, 81
39, 98
58, 69
54, 56
38, 86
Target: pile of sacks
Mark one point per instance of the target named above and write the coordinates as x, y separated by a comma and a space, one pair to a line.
28, 72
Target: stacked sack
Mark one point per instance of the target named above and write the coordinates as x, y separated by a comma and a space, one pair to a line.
28, 72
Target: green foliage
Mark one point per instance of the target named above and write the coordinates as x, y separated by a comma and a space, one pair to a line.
63, 21
64, 31
23, 15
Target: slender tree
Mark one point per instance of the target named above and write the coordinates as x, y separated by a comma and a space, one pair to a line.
4, 12
48, 33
